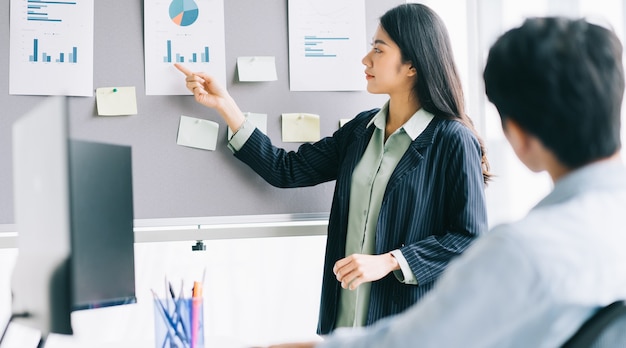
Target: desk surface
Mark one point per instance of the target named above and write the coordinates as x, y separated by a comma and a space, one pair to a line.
61, 341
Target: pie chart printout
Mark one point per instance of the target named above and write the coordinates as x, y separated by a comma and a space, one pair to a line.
183, 12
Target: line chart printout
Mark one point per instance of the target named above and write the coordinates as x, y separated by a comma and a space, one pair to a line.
189, 32
52, 40
326, 44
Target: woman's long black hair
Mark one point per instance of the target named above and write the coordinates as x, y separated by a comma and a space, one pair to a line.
424, 43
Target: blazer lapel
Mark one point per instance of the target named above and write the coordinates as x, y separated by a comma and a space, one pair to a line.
354, 153
412, 156
357, 148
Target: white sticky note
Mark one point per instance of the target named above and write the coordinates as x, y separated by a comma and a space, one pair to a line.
300, 127
257, 68
116, 101
343, 121
259, 120
198, 133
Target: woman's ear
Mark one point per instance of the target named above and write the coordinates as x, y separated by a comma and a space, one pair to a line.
412, 71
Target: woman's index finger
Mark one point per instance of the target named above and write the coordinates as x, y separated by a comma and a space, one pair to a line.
182, 69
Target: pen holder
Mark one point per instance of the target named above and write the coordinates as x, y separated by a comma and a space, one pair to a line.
179, 323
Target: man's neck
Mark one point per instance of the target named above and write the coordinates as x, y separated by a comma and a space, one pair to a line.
557, 170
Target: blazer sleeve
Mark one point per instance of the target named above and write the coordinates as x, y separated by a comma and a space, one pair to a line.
311, 164
463, 206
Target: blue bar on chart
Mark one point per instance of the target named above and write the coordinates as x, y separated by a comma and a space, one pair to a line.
38, 10
314, 46
71, 57
179, 58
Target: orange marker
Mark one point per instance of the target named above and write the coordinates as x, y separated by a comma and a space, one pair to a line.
196, 302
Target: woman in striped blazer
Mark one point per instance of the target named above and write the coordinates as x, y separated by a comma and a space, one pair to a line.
410, 176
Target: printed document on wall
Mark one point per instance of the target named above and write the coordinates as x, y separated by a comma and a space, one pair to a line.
189, 32
326, 44
51, 47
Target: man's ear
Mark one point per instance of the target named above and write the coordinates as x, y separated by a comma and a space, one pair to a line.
526, 146
518, 138
512, 129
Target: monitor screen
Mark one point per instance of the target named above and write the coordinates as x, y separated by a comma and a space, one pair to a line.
40, 282
101, 205
74, 218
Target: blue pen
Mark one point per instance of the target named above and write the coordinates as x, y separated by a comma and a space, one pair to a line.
177, 313
169, 320
167, 303
170, 325
169, 334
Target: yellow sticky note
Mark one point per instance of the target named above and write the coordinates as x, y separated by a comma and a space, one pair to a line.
198, 133
300, 127
256, 68
116, 101
259, 120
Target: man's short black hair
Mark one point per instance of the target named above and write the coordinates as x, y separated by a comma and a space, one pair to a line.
561, 80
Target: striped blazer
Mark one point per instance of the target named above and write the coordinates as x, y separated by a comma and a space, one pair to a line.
432, 209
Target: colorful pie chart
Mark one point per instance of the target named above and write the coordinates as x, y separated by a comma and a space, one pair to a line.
183, 12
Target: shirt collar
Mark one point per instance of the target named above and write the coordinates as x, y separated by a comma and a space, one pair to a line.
608, 174
413, 127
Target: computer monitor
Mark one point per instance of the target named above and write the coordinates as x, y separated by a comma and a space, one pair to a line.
74, 218
101, 206
40, 284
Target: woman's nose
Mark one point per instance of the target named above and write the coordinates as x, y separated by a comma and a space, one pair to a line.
366, 60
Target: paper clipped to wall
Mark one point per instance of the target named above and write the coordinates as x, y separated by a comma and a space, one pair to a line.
197, 133
300, 127
53, 42
327, 40
116, 101
255, 69
189, 32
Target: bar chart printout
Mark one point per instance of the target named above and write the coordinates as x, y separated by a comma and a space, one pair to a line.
318, 47
326, 44
45, 57
190, 32
180, 58
52, 39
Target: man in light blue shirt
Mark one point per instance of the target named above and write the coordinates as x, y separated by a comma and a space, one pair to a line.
558, 86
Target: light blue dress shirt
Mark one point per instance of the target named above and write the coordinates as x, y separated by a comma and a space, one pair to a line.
530, 283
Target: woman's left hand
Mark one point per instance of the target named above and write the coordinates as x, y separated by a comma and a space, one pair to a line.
357, 269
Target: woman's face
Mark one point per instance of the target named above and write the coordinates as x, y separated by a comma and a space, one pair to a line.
384, 70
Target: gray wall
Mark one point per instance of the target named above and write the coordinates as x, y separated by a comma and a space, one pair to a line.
171, 181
